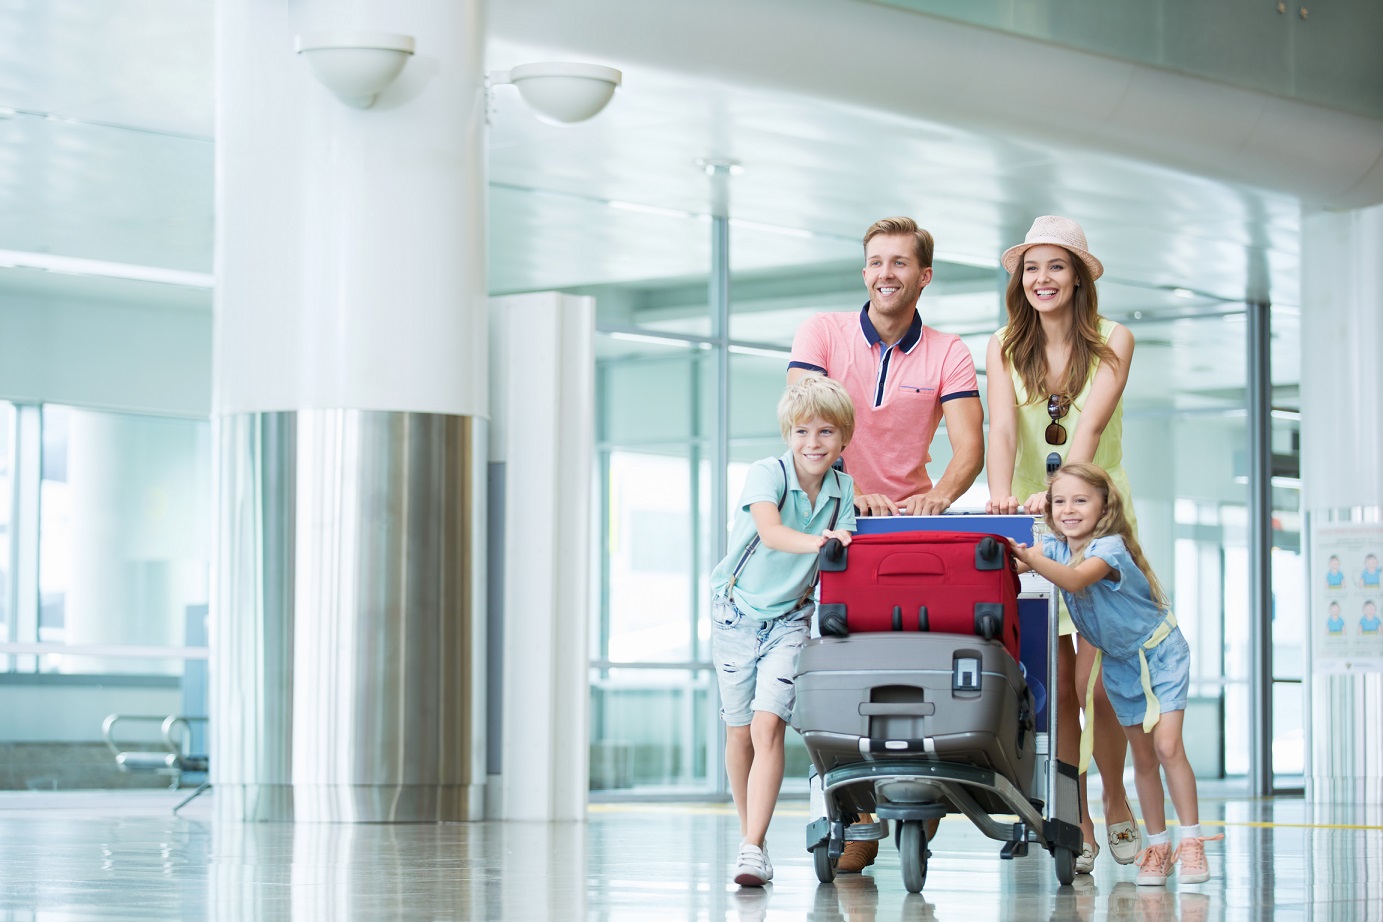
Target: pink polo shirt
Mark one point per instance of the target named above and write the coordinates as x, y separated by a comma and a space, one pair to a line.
898, 391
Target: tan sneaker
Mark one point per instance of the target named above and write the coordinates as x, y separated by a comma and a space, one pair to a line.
1154, 865
1191, 854
857, 856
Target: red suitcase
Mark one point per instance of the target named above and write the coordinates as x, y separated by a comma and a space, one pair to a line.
940, 581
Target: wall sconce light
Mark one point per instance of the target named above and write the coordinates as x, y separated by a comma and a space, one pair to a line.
561, 93
356, 66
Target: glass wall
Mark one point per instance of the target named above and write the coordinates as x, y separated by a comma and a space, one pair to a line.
105, 523
8, 548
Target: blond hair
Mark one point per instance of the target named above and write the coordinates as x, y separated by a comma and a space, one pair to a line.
817, 396
903, 227
1113, 521
1025, 342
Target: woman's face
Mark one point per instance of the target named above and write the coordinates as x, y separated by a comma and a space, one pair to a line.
1049, 278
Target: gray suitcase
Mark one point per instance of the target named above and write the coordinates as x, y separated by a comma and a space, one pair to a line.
930, 697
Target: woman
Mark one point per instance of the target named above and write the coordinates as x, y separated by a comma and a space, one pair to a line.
1061, 400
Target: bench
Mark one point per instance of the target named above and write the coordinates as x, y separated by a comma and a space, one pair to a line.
174, 759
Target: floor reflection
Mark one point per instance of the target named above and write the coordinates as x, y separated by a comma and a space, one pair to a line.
124, 855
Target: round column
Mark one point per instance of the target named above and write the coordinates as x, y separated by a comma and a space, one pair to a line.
349, 399
1342, 493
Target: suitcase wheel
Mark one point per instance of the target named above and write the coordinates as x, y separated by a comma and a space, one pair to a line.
831, 620
833, 557
989, 555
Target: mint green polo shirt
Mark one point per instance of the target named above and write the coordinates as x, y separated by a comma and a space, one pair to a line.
772, 581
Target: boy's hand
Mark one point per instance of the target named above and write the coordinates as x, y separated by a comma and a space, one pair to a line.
839, 534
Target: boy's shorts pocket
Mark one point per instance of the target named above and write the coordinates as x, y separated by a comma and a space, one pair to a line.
724, 615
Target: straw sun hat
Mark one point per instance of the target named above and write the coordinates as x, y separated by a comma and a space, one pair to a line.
1062, 232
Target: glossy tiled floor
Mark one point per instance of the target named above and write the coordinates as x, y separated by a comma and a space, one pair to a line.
122, 855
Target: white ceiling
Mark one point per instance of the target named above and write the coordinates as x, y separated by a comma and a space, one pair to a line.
106, 117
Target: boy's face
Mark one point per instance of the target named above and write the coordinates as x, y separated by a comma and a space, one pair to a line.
1370, 610
815, 444
1370, 563
1335, 565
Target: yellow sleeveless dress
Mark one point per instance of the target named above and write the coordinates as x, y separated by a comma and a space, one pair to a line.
1030, 462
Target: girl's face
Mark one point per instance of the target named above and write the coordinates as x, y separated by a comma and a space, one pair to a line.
1049, 279
1076, 508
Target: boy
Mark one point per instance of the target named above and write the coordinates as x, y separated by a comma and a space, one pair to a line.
761, 598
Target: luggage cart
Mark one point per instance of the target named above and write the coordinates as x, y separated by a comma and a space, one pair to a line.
899, 782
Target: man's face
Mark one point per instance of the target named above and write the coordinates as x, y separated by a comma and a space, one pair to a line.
893, 274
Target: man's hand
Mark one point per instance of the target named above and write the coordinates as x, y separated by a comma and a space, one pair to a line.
1008, 505
875, 504
839, 534
933, 503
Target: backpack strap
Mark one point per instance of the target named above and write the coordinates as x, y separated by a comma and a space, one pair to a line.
806, 595
754, 544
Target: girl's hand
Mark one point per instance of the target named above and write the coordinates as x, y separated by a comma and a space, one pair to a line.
1024, 554
839, 534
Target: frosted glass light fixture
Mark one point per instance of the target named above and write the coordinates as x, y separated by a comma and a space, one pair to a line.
356, 66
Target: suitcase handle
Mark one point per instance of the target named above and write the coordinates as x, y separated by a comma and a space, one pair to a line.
897, 708
887, 746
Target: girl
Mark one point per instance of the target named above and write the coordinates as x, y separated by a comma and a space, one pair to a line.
1118, 605
1056, 385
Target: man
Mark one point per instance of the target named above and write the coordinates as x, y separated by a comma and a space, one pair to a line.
903, 377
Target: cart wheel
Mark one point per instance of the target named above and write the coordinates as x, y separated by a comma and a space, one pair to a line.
912, 854
821, 861
1065, 866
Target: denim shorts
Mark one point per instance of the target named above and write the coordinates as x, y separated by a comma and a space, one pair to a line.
1169, 667
756, 661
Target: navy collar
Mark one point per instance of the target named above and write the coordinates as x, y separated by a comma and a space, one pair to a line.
910, 339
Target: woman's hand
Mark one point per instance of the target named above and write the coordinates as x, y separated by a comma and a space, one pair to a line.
1007, 505
1036, 504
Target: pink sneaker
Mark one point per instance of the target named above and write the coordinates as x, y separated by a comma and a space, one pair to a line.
1155, 865
1191, 853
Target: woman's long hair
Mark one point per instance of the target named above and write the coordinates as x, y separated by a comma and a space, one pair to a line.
1113, 521
1025, 344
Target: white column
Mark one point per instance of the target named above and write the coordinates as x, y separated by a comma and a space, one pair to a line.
546, 428
137, 555
1342, 476
349, 400
350, 253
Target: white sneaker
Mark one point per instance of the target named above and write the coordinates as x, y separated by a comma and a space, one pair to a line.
753, 868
